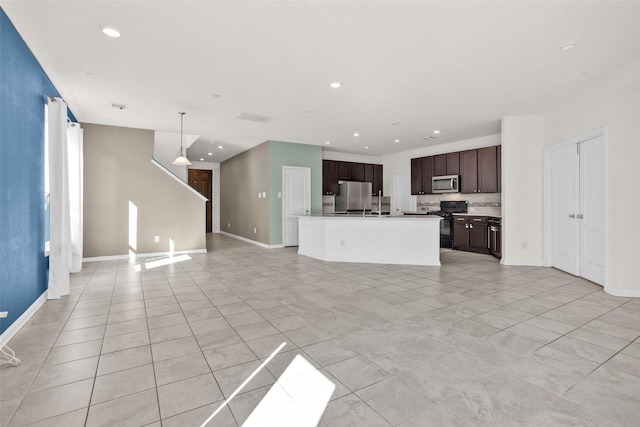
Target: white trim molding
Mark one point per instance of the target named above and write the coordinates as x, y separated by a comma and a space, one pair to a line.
22, 320
184, 184
629, 293
253, 242
143, 255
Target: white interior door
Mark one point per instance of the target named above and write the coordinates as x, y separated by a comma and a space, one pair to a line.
577, 187
564, 201
592, 210
296, 201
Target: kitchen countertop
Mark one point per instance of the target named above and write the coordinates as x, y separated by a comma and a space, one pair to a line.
415, 212
474, 214
370, 215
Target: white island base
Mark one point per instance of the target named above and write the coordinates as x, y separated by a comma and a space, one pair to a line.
381, 240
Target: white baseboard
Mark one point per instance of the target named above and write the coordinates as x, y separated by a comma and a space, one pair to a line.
20, 321
520, 263
630, 293
253, 242
143, 255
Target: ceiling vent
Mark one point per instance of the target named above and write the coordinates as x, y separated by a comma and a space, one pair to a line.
119, 106
253, 117
570, 79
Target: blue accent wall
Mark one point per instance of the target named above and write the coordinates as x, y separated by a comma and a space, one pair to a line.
24, 87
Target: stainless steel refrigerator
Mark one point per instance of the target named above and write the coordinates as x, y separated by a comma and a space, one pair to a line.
353, 196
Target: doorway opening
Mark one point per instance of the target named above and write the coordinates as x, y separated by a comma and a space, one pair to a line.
201, 181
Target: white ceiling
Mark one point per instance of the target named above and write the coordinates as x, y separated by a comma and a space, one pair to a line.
449, 65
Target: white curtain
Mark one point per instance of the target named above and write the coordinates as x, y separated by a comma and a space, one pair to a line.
75, 147
59, 216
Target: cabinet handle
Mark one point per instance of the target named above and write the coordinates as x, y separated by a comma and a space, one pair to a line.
477, 219
572, 215
466, 226
579, 216
470, 225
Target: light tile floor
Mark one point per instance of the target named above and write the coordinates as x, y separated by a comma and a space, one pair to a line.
469, 343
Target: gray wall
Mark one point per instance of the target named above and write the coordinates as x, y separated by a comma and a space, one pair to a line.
290, 154
241, 179
117, 171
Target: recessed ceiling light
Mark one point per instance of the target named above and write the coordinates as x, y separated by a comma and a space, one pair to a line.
335, 85
220, 147
210, 154
202, 160
568, 46
395, 123
366, 147
436, 132
88, 73
327, 142
109, 31
119, 106
396, 140
356, 134
216, 95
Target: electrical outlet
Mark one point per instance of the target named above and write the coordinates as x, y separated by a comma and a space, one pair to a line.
156, 239
3, 314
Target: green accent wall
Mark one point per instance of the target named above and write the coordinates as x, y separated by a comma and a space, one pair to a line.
290, 154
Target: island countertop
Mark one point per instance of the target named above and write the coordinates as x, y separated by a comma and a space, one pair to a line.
371, 239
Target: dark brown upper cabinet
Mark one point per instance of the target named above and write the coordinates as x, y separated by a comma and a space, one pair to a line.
479, 170
469, 171
453, 163
334, 171
488, 170
440, 165
357, 172
376, 187
422, 170
345, 171
446, 164
416, 176
330, 172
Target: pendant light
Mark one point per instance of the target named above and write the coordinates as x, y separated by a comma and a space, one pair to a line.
181, 160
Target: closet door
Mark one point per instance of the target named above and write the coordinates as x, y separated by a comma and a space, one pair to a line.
565, 203
578, 209
592, 210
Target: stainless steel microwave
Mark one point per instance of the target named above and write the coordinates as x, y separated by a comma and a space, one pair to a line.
445, 184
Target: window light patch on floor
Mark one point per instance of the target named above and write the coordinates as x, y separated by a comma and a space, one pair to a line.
298, 398
150, 265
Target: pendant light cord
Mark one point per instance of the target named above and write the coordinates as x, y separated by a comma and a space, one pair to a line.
181, 131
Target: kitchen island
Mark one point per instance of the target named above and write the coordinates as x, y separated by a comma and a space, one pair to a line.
371, 239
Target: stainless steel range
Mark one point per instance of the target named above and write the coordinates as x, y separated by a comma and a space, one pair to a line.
447, 209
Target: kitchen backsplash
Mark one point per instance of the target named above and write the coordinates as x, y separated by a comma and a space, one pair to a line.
481, 204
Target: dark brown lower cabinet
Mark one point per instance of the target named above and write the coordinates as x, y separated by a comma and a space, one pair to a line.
470, 233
